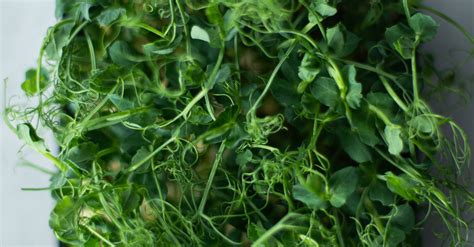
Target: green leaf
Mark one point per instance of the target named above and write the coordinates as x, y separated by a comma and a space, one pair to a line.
311, 199
376, 10
402, 186
394, 237
27, 133
223, 124
121, 103
354, 95
423, 124
214, 15
353, 146
392, 134
121, 54
199, 33
342, 184
83, 153
285, 92
244, 158
402, 39
30, 87
322, 8
341, 41
110, 15
325, 91
365, 128
84, 7
403, 217
64, 221
335, 37
130, 200
424, 26
307, 71
140, 155
57, 39
222, 75
378, 191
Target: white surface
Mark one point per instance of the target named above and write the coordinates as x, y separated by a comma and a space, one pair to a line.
24, 214
450, 47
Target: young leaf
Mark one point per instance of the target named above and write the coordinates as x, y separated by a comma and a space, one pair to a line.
393, 138
394, 237
341, 41
199, 33
30, 87
64, 221
110, 15
423, 124
335, 36
308, 197
121, 54
244, 158
424, 26
402, 39
354, 95
403, 217
27, 133
402, 186
342, 184
352, 145
379, 192
325, 90
307, 71
139, 156
322, 8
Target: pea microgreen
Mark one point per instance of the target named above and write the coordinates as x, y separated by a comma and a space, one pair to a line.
263, 123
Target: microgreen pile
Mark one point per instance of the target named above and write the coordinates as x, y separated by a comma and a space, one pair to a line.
253, 122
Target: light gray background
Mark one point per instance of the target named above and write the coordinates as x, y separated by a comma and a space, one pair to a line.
24, 215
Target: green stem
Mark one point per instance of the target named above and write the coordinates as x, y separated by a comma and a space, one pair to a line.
371, 208
406, 8
369, 68
337, 224
253, 109
416, 97
148, 157
380, 114
393, 94
212, 78
272, 231
98, 235
91, 52
188, 108
217, 161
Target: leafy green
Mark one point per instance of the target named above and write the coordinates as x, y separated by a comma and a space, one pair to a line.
393, 138
199, 33
424, 26
325, 90
343, 183
238, 123
30, 85
308, 197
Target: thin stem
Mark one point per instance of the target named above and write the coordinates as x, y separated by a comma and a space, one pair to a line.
217, 161
149, 156
393, 94
98, 235
253, 109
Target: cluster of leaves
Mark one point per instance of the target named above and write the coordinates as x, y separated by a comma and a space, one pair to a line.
222, 122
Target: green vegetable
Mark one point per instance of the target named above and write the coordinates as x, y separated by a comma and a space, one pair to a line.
264, 123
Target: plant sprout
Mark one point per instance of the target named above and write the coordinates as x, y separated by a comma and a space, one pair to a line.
238, 123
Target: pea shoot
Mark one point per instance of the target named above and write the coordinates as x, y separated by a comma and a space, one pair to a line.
244, 123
